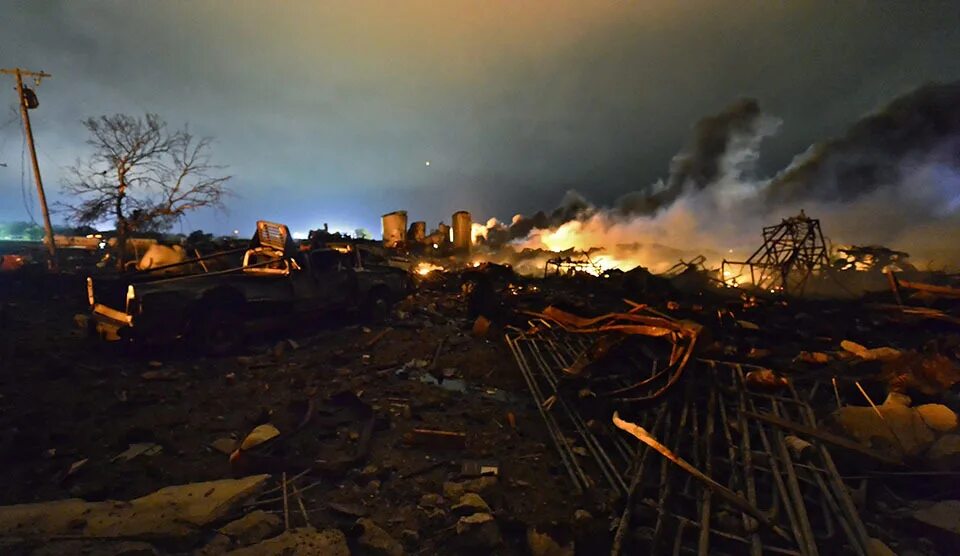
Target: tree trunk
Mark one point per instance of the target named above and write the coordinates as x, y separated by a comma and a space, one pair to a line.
121, 220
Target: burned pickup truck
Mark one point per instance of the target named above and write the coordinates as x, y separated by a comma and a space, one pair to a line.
277, 281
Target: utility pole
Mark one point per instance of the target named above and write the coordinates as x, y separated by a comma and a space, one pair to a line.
18, 73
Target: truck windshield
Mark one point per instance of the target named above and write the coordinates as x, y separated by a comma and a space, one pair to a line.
327, 260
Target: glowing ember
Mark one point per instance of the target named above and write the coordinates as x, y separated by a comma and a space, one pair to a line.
425, 268
603, 263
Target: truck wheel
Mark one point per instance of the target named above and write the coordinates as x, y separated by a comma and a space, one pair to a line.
376, 307
216, 331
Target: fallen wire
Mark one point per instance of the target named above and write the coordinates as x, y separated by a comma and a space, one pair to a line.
280, 498
882, 418
278, 487
303, 509
286, 506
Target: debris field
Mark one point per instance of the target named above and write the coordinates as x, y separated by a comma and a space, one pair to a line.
489, 412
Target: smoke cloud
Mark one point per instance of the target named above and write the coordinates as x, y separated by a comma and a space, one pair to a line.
892, 179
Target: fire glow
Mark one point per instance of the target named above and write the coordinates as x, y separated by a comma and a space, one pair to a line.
424, 268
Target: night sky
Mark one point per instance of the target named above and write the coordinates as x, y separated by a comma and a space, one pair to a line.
328, 111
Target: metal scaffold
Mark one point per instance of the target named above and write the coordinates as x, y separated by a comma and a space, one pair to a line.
791, 252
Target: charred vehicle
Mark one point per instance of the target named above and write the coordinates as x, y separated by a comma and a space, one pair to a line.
214, 309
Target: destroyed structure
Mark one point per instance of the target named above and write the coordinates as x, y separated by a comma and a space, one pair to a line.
791, 251
443, 241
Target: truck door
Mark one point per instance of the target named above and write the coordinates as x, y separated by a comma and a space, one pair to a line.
333, 277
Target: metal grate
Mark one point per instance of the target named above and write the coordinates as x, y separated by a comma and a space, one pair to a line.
710, 419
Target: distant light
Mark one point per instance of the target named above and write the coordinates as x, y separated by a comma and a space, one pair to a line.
236, 232
427, 163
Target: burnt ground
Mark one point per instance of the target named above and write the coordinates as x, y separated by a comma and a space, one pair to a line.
65, 398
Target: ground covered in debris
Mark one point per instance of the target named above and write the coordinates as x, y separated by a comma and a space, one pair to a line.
420, 434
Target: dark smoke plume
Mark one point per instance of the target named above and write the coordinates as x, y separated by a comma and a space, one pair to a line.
872, 153
700, 164
696, 167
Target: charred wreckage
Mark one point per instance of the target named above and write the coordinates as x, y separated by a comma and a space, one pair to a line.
276, 279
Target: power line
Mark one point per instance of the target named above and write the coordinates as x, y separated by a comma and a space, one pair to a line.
13, 118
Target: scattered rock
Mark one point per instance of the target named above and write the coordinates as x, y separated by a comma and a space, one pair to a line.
372, 487
259, 435
344, 508
431, 500
279, 350
938, 417
542, 544
453, 490
410, 539
96, 548
943, 515
138, 449
481, 327
897, 398
252, 528
470, 503
159, 375
479, 531
376, 541
813, 357
435, 517
480, 485
171, 513
875, 354
369, 472
765, 378
901, 430
225, 445
582, 516
876, 547
929, 374
219, 544
81, 321
73, 468
304, 541
799, 448
945, 452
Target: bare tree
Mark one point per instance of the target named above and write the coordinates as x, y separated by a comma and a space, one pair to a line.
142, 176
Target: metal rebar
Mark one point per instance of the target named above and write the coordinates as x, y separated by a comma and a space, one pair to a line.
577, 476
